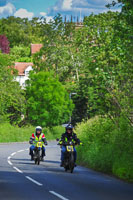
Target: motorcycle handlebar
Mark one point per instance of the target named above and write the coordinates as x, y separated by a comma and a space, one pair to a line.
68, 143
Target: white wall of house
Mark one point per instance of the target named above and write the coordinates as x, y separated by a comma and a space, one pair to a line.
22, 78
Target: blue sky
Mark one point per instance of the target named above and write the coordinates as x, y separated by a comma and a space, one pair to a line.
49, 8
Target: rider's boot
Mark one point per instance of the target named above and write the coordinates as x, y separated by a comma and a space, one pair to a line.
32, 157
42, 157
62, 163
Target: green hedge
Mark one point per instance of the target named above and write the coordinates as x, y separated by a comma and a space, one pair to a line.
107, 147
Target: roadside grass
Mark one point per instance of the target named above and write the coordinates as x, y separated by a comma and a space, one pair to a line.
107, 147
9, 133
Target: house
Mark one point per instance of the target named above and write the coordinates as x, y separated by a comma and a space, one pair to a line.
23, 69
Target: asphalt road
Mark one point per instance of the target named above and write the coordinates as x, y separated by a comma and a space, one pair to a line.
21, 179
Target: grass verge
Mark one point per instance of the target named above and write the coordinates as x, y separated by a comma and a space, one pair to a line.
11, 133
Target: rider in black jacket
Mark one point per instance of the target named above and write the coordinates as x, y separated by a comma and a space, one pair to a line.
69, 135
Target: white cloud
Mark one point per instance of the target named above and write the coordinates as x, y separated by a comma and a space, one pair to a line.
79, 7
7, 10
67, 4
48, 18
43, 14
23, 13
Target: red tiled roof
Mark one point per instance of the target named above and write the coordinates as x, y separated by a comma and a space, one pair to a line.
21, 67
35, 48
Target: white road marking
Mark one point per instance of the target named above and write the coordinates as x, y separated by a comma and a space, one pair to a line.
9, 162
26, 149
58, 195
20, 151
13, 154
9, 157
18, 170
34, 181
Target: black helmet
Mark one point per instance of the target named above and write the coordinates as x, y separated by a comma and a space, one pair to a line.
69, 126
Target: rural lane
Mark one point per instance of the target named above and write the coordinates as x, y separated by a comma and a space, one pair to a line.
21, 179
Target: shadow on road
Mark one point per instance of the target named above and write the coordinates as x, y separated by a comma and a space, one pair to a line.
21, 159
52, 161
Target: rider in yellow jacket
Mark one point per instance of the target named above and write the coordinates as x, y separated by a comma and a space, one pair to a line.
37, 136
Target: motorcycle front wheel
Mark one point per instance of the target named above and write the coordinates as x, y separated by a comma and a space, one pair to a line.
71, 163
38, 157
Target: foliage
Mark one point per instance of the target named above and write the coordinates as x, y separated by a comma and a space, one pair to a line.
48, 101
4, 44
23, 31
20, 54
108, 65
54, 132
11, 96
108, 148
95, 56
55, 52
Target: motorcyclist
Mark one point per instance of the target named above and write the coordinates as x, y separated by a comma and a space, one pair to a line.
37, 136
69, 135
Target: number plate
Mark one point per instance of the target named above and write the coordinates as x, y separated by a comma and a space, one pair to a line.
69, 148
39, 144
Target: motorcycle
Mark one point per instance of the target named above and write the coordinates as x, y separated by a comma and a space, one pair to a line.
38, 152
69, 162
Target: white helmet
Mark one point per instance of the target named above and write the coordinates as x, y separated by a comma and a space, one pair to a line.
38, 128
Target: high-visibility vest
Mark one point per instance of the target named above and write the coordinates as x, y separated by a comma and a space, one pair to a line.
67, 140
38, 139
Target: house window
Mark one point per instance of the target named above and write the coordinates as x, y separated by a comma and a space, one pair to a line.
26, 73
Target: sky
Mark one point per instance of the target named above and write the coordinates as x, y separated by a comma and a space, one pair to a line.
50, 8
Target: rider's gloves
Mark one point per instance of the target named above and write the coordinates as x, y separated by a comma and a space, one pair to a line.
60, 142
31, 141
45, 141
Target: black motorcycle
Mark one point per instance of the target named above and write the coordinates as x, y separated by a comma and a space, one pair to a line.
69, 162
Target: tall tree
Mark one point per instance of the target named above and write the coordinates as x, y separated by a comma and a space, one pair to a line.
48, 101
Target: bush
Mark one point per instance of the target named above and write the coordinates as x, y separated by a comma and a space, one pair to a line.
107, 147
53, 133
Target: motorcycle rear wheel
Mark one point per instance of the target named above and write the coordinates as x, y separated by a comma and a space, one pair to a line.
35, 161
